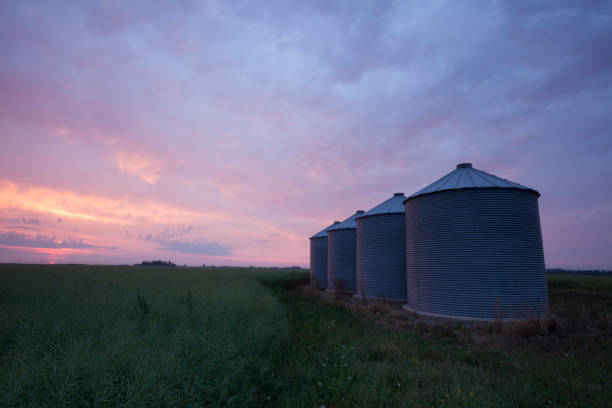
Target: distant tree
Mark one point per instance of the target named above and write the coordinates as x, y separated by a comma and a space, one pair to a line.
156, 263
556, 271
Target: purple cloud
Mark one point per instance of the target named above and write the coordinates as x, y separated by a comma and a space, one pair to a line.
195, 246
16, 239
31, 221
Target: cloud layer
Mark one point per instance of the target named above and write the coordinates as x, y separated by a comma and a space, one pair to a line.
16, 239
257, 126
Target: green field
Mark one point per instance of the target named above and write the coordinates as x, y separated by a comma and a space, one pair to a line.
135, 336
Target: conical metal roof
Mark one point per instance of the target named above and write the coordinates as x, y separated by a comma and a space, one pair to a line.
393, 205
465, 176
323, 233
348, 223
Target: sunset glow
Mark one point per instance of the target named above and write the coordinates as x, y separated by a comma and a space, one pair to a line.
227, 134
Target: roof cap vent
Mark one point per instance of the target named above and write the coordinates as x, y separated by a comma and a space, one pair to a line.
336, 222
398, 195
360, 211
464, 166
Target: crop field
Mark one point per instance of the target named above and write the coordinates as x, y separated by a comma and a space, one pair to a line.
223, 337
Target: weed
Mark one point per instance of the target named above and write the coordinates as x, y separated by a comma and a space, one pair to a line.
143, 305
341, 291
385, 350
551, 325
361, 290
186, 299
523, 329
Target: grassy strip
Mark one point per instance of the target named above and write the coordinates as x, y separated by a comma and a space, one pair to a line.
601, 283
338, 359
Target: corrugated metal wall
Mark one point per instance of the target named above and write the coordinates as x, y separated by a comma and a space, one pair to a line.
341, 258
381, 256
318, 262
476, 253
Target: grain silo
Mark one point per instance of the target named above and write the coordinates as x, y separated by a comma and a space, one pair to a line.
341, 253
381, 251
474, 248
318, 258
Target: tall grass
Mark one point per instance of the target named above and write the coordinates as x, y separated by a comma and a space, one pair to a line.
103, 336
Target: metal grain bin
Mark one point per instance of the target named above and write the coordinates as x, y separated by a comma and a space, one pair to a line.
318, 258
474, 248
341, 255
381, 251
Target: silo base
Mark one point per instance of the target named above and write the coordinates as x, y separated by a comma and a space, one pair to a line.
378, 299
334, 290
346, 292
407, 308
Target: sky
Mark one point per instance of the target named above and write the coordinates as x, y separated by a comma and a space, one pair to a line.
229, 132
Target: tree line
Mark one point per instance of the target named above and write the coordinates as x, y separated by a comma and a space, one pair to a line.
156, 263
